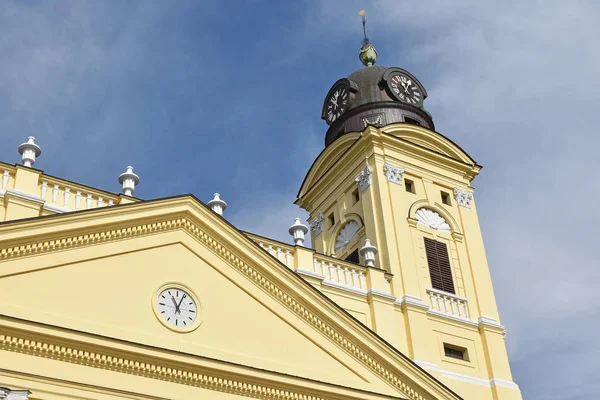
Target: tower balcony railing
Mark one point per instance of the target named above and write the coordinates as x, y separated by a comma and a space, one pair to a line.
329, 271
448, 304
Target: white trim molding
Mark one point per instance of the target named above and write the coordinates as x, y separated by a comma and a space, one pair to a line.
393, 173
408, 299
466, 378
463, 197
364, 178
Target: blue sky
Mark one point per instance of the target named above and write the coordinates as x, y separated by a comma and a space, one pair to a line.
226, 95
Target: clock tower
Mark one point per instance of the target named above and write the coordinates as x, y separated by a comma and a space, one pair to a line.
387, 176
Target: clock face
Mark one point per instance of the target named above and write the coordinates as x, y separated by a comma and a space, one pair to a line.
176, 307
406, 89
337, 103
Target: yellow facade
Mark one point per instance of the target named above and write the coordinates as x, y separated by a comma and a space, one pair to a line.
80, 271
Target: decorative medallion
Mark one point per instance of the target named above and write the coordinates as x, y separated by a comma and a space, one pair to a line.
364, 178
393, 173
346, 234
316, 225
176, 307
463, 198
432, 219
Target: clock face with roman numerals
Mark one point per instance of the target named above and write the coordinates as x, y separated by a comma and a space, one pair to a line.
405, 89
176, 307
337, 103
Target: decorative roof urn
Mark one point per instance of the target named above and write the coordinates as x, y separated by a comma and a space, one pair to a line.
217, 205
298, 230
129, 180
368, 252
29, 151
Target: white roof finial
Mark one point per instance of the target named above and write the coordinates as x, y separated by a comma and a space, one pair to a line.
368, 252
217, 205
29, 151
129, 180
298, 230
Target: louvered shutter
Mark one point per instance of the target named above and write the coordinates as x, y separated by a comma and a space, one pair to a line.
439, 265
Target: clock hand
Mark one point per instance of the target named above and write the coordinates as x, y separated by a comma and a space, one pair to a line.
180, 301
176, 306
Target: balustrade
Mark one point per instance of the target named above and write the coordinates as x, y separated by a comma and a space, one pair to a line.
59, 198
448, 303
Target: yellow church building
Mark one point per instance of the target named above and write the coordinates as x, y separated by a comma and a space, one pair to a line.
108, 296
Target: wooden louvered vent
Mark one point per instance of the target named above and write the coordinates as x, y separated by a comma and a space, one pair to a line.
439, 265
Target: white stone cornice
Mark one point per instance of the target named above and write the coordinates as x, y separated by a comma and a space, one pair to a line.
466, 378
490, 322
23, 195
364, 179
316, 225
393, 173
408, 299
463, 197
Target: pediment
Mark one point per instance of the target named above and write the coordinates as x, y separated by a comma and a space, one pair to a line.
428, 139
94, 273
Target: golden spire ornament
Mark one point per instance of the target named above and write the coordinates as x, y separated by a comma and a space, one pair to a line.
368, 54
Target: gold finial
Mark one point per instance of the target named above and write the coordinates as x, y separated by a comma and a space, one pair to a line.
368, 54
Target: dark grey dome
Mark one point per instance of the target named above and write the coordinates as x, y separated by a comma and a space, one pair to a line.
371, 103
367, 80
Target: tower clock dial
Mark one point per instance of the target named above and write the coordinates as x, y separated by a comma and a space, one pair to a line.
338, 100
337, 103
405, 89
176, 307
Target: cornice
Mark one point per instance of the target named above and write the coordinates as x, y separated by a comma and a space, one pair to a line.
206, 374
387, 370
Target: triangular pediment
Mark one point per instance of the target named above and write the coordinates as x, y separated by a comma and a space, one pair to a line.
96, 273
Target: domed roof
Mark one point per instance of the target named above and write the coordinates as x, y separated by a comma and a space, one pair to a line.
367, 79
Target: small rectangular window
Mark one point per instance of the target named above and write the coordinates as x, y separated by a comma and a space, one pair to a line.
331, 220
409, 186
411, 121
353, 257
452, 351
355, 197
445, 198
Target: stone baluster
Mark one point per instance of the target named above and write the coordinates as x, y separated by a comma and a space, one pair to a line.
54, 194
111, 202
354, 278
347, 276
279, 254
77, 199
332, 272
100, 202
5, 176
316, 266
453, 306
324, 268
288, 258
88, 201
361, 280
44, 190
339, 274
66, 196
